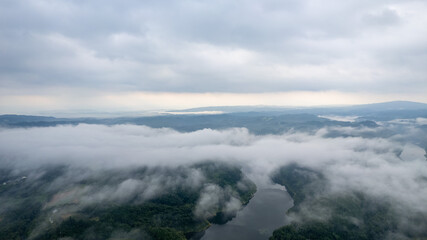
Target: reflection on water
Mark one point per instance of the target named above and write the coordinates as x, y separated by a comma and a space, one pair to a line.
264, 213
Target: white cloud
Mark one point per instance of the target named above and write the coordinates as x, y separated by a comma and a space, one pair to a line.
370, 165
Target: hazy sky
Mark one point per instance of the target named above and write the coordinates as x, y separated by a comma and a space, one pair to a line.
136, 55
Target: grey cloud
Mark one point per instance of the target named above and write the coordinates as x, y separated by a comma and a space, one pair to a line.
221, 46
366, 164
232, 206
213, 198
384, 17
209, 201
154, 183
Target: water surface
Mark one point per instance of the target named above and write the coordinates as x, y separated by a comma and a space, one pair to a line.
257, 221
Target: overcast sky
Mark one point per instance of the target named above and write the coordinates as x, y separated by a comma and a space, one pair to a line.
138, 55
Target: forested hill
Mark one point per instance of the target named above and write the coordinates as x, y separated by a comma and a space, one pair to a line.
257, 124
57, 202
346, 215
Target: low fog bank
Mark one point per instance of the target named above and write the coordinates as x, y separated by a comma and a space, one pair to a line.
362, 159
381, 165
55, 194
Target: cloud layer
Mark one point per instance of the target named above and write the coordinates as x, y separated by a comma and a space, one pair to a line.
377, 166
213, 46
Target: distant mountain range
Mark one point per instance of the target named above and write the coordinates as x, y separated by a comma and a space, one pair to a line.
258, 119
385, 106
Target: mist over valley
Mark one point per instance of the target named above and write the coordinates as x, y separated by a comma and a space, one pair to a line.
117, 178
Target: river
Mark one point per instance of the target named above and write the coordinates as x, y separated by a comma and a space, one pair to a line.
257, 220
